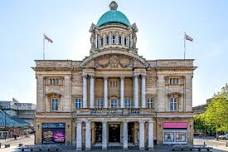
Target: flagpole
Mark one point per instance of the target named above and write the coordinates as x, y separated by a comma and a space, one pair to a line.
43, 47
184, 45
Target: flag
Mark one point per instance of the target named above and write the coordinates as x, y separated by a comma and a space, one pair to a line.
48, 39
187, 37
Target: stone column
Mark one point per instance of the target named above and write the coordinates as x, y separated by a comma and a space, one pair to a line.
104, 40
84, 92
141, 135
150, 134
79, 136
105, 92
143, 92
88, 135
125, 135
104, 135
110, 38
188, 93
91, 92
96, 40
122, 39
136, 93
122, 92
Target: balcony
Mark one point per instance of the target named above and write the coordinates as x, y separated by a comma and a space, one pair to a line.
114, 112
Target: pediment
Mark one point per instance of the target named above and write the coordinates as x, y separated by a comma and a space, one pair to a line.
114, 61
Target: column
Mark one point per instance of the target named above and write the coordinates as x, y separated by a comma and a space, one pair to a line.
110, 38
143, 92
122, 39
84, 92
96, 40
91, 92
141, 135
136, 93
79, 136
105, 92
150, 134
122, 92
104, 40
125, 135
104, 135
88, 135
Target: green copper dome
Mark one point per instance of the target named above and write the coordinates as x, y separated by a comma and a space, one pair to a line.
113, 16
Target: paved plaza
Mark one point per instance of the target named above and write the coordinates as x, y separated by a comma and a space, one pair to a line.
218, 146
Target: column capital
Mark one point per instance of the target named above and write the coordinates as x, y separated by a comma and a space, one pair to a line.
78, 121
135, 75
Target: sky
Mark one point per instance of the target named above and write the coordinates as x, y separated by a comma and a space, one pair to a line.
161, 27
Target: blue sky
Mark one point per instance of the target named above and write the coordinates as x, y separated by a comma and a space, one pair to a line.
161, 26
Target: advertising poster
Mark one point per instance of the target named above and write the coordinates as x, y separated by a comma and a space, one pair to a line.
53, 133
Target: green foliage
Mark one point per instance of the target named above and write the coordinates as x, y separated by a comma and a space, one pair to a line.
215, 118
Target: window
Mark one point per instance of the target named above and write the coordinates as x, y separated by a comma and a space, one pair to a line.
113, 39
120, 40
99, 103
173, 81
114, 103
107, 40
125, 41
101, 41
173, 104
127, 103
78, 103
113, 83
175, 136
150, 102
54, 104
54, 81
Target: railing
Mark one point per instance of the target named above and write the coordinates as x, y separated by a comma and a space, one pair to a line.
113, 112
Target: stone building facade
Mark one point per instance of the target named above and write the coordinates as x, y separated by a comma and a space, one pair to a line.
114, 97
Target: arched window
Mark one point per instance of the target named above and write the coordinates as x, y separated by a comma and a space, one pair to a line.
119, 39
113, 39
173, 104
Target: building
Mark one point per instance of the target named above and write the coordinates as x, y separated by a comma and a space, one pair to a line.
114, 97
17, 110
201, 108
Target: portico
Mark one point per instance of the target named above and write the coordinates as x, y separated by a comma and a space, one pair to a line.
115, 132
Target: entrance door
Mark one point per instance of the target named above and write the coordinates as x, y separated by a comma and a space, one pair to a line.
114, 133
98, 132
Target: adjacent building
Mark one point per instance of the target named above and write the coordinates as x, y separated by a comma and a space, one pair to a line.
17, 110
114, 96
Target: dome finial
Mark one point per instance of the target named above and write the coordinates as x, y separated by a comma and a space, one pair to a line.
113, 5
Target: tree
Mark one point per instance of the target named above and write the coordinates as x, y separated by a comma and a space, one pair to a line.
216, 114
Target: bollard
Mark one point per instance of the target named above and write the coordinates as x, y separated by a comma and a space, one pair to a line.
226, 143
0, 145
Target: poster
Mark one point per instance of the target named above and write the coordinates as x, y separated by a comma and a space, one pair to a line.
53, 133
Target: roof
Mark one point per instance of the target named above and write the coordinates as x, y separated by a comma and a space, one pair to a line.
7, 121
113, 17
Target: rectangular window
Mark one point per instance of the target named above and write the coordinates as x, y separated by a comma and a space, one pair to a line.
99, 103
127, 103
175, 136
54, 104
174, 81
150, 102
78, 103
114, 103
173, 104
